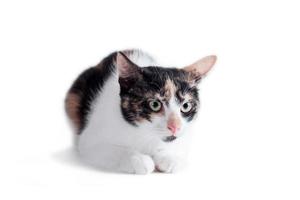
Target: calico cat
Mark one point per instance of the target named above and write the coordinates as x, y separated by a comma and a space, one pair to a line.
132, 115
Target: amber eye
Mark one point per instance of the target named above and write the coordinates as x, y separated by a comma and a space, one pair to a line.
186, 107
155, 105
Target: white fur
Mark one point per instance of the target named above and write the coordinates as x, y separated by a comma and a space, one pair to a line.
142, 59
109, 142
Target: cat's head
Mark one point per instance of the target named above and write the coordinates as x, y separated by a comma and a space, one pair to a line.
161, 100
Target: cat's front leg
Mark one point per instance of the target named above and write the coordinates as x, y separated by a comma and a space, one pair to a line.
166, 157
139, 164
168, 162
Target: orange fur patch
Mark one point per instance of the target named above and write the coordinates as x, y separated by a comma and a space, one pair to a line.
72, 108
169, 88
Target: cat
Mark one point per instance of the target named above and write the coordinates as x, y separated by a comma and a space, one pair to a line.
132, 116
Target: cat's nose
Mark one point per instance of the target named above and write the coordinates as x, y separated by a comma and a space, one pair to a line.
173, 128
174, 123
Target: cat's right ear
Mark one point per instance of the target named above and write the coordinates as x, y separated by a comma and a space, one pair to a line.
128, 71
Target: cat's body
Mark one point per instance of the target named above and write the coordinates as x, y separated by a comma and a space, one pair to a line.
127, 117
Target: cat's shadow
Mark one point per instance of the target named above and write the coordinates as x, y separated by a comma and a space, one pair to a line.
69, 156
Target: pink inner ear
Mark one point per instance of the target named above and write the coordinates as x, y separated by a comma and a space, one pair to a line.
125, 66
202, 66
122, 64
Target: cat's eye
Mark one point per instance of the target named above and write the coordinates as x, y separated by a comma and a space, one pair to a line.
155, 105
186, 107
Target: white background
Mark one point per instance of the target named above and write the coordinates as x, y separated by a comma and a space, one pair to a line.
247, 140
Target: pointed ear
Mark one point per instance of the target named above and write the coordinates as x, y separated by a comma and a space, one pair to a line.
200, 68
128, 72
125, 67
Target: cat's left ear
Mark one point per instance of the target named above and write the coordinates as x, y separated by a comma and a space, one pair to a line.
200, 68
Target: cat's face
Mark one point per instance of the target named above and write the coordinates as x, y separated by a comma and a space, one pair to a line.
163, 101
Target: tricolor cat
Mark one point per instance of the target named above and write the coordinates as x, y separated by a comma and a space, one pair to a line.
132, 116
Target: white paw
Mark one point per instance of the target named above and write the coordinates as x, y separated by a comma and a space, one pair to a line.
142, 164
168, 164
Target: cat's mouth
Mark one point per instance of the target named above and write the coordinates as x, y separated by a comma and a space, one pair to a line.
170, 138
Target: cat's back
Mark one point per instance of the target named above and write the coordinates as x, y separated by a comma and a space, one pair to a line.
90, 82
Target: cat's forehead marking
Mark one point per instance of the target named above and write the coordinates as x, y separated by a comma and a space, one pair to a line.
169, 89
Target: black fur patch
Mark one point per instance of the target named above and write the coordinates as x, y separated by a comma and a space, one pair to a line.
88, 84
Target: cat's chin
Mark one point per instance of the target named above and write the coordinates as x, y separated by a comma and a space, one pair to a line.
170, 138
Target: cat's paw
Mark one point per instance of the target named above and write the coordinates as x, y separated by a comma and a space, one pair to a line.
168, 164
142, 164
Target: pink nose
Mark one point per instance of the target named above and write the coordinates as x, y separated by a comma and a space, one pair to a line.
173, 128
